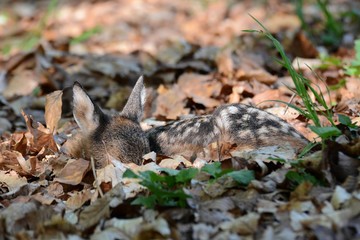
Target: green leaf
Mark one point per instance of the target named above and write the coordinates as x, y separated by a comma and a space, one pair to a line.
186, 175
352, 70
340, 84
344, 120
307, 148
148, 201
251, 31
130, 174
213, 169
294, 177
169, 171
301, 176
326, 132
244, 177
357, 50
86, 35
151, 176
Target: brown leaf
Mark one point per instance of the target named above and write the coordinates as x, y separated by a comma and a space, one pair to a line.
45, 199
73, 172
38, 136
55, 189
201, 88
110, 174
245, 225
175, 162
25, 165
100, 209
12, 180
301, 46
19, 142
170, 103
77, 199
225, 63
8, 160
53, 109
23, 83
272, 94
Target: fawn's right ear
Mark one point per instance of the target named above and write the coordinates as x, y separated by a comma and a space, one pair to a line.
87, 114
134, 107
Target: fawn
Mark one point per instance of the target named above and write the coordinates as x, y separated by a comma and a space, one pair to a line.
122, 138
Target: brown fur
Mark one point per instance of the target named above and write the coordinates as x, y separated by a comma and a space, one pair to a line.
106, 137
122, 139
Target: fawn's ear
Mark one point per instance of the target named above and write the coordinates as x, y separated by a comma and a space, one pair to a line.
87, 114
135, 105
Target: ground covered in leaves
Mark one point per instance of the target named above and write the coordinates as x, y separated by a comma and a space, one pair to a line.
194, 56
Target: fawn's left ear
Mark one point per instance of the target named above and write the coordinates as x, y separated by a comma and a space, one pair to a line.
87, 114
134, 107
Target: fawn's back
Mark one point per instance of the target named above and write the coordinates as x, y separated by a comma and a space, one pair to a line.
243, 125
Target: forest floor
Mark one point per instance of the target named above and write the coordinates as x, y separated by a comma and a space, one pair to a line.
194, 56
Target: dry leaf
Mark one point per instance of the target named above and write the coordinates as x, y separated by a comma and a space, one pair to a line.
38, 136
23, 83
100, 209
77, 199
109, 174
53, 109
201, 88
73, 172
170, 103
12, 180
174, 162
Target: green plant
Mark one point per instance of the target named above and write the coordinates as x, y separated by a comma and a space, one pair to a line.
33, 36
303, 88
299, 176
166, 189
354, 68
328, 61
242, 177
85, 35
331, 32
300, 13
347, 122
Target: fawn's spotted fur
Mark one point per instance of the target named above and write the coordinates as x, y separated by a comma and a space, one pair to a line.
122, 138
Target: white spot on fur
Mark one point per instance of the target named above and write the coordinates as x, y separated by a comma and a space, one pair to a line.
143, 92
273, 117
196, 127
263, 115
188, 131
245, 117
263, 130
284, 126
224, 121
163, 137
233, 110
244, 134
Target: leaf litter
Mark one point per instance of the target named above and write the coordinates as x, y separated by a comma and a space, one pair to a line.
194, 58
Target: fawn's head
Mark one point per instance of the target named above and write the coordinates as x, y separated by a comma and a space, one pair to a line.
105, 137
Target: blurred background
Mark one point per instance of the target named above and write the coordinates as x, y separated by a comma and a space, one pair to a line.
193, 54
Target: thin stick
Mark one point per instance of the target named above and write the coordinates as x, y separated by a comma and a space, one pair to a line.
94, 173
219, 150
287, 105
